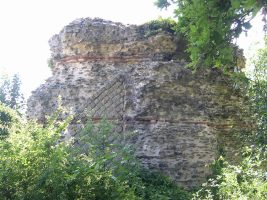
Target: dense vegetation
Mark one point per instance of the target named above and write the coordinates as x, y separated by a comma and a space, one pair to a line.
11, 103
258, 95
34, 164
210, 27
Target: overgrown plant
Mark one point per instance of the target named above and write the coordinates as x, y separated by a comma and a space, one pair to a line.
36, 164
161, 24
258, 94
248, 179
210, 27
244, 181
8, 119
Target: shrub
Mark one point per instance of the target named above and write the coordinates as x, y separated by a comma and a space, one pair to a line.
154, 27
244, 181
34, 164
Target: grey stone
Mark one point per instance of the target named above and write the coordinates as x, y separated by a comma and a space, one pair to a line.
180, 118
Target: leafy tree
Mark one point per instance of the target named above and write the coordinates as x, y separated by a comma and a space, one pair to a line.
4, 89
8, 119
10, 93
211, 25
258, 94
10, 98
15, 93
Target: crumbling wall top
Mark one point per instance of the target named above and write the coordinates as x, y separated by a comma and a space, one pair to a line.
97, 39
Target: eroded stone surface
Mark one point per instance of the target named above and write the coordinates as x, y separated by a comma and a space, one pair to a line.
133, 78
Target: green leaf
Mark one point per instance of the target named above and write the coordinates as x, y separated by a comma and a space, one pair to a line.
235, 4
247, 25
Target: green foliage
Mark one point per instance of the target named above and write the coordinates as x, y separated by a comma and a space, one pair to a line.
10, 93
50, 63
161, 24
36, 164
8, 119
163, 3
244, 181
157, 186
258, 94
210, 27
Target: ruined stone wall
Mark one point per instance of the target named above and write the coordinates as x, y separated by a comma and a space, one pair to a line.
133, 78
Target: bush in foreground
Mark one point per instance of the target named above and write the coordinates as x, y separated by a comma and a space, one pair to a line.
34, 165
247, 180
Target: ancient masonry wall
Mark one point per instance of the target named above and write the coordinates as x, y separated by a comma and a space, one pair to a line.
139, 81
